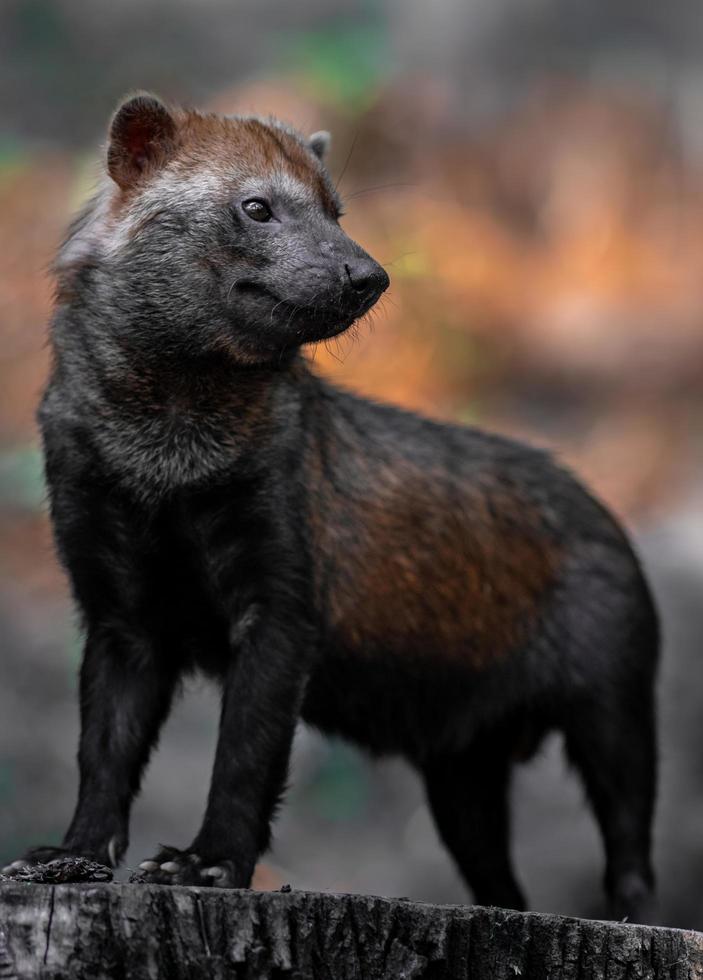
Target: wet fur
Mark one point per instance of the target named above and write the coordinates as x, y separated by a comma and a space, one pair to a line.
423, 589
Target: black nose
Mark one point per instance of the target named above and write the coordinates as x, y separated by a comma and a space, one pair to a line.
367, 277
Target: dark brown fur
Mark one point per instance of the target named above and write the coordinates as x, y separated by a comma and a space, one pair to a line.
466, 576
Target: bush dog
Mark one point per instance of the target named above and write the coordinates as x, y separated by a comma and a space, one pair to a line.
422, 589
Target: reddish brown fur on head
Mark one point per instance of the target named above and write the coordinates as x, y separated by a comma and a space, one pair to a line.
146, 136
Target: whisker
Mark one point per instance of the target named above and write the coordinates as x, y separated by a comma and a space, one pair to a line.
387, 265
378, 187
229, 291
274, 310
346, 162
331, 352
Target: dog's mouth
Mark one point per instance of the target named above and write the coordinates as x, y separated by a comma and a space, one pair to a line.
310, 322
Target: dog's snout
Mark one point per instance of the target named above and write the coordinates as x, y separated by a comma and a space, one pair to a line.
366, 276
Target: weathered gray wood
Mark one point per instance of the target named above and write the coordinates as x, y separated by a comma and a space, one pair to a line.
95, 931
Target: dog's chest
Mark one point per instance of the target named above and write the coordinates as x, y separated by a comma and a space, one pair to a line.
168, 450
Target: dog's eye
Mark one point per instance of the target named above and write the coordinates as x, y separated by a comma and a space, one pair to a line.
257, 209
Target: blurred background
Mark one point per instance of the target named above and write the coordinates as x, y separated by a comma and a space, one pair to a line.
531, 174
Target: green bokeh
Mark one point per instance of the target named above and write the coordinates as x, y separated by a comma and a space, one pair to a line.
13, 157
342, 64
338, 791
22, 478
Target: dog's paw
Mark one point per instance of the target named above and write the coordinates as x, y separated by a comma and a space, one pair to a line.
13, 869
174, 867
33, 857
634, 901
55, 865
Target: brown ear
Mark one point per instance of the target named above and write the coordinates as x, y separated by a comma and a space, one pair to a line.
142, 137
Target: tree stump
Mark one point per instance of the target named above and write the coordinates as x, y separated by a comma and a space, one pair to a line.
95, 931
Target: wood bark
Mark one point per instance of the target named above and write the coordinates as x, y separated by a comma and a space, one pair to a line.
141, 932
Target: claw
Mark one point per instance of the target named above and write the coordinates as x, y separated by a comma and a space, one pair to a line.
213, 872
171, 867
14, 866
148, 865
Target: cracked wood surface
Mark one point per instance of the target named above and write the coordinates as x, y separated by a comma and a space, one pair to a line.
96, 931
